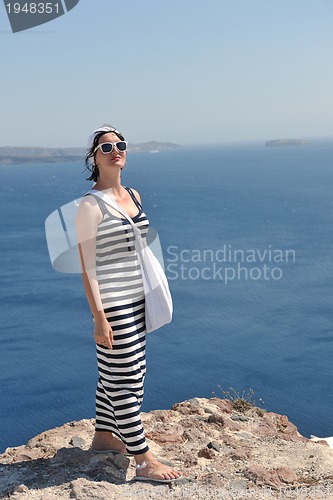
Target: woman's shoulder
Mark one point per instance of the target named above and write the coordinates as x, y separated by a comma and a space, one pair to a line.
89, 207
88, 201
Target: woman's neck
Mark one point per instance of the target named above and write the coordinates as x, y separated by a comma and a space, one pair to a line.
110, 183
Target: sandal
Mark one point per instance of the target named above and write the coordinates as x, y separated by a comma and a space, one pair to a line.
149, 476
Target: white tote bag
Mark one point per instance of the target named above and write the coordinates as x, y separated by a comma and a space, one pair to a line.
158, 300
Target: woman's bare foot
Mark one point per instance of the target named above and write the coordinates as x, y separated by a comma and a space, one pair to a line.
156, 471
107, 441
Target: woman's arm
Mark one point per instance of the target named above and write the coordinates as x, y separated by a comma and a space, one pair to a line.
87, 220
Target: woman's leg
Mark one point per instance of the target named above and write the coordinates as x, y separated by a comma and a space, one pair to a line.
119, 392
104, 440
119, 397
106, 435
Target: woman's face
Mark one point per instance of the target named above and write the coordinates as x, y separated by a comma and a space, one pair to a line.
114, 159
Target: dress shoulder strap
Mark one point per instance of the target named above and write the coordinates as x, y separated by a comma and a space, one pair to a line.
138, 204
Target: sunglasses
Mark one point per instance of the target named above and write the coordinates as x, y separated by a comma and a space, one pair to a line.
107, 147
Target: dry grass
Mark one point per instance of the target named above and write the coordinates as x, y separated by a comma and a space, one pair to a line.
242, 401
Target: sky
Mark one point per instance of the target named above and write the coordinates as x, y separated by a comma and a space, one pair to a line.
182, 71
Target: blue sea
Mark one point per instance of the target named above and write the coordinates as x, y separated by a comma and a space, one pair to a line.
246, 233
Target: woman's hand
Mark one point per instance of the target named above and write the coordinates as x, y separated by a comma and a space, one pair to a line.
103, 334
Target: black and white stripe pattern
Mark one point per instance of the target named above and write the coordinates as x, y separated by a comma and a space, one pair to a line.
121, 370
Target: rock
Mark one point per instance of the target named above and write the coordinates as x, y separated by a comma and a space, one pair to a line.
240, 485
189, 460
240, 454
77, 442
162, 415
206, 452
323, 442
242, 418
164, 438
26, 453
228, 440
266, 427
71, 456
208, 410
234, 426
272, 424
82, 489
223, 404
187, 408
118, 461
194, 435
245, 436
37, 441
59, 478
20, 488
287, 429
259, 475
213, 480
275, 478
225, 449
214, 445
286, 475
327, 440
226, 475
101, 474
195, 401
216, 419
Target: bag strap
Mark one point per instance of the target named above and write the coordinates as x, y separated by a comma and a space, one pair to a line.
107, 199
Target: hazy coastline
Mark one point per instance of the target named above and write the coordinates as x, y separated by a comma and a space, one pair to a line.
11, 155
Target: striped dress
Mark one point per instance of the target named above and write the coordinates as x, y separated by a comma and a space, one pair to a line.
121, 369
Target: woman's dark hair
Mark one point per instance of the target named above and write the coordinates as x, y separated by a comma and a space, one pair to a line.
90, 161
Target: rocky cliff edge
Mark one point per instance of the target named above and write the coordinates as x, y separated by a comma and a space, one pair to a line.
223, 453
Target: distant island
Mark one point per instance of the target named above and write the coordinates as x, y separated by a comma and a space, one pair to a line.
286, 142
10, 155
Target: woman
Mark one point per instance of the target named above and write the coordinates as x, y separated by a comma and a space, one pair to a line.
113, 285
